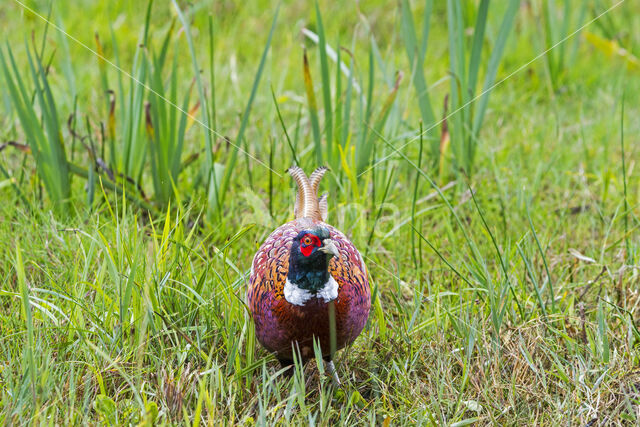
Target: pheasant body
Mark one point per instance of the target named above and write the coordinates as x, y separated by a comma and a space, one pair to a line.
308, 281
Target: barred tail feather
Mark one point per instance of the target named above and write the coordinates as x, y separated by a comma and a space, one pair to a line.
308, 205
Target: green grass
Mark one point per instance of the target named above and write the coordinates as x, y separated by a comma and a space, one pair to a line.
509, 295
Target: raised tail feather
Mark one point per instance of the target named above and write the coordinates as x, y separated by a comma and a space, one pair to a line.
308, 205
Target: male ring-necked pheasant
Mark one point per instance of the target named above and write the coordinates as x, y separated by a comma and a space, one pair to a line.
308, 281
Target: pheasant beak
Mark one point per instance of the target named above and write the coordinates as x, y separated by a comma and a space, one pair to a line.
329, 248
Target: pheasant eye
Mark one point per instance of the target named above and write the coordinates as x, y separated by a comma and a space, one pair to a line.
307, 240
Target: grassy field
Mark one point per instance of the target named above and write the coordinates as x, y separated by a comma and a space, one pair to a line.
142, 163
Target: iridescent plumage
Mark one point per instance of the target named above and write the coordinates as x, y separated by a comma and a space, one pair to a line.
280, 324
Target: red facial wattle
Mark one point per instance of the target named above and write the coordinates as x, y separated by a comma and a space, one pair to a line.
308, 242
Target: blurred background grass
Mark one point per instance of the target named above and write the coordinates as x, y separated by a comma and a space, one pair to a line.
518, 304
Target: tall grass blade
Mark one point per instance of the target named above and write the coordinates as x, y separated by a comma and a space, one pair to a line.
503, 264
465, 123
544, 259
478, 40
602, 333
284, 128
381, 206
534, 281
67, 65
630, 256
313, 108
459, 88
346, 116
28, 352
494, 62
208, 134
560, 55
134, 142
413, 203
212, 74
337, 113
47, 148
416, 56
230, 164
166, 126
326, 86
365, 110
366, 150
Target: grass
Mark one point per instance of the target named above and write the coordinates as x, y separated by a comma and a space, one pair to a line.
508, 295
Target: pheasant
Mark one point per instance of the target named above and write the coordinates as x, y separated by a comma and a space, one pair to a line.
308, 282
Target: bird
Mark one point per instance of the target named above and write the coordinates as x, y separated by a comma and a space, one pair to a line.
308, 283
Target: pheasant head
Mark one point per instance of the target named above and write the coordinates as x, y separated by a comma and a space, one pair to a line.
309, 258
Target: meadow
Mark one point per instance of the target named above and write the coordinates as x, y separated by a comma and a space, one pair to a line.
483, 158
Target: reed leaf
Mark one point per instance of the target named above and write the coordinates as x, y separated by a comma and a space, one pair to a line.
313, 109
43, 134
416, 54
326, 87
464, 121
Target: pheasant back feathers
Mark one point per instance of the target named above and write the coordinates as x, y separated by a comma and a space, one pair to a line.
308, 281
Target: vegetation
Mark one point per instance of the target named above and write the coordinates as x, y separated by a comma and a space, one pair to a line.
142, 159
